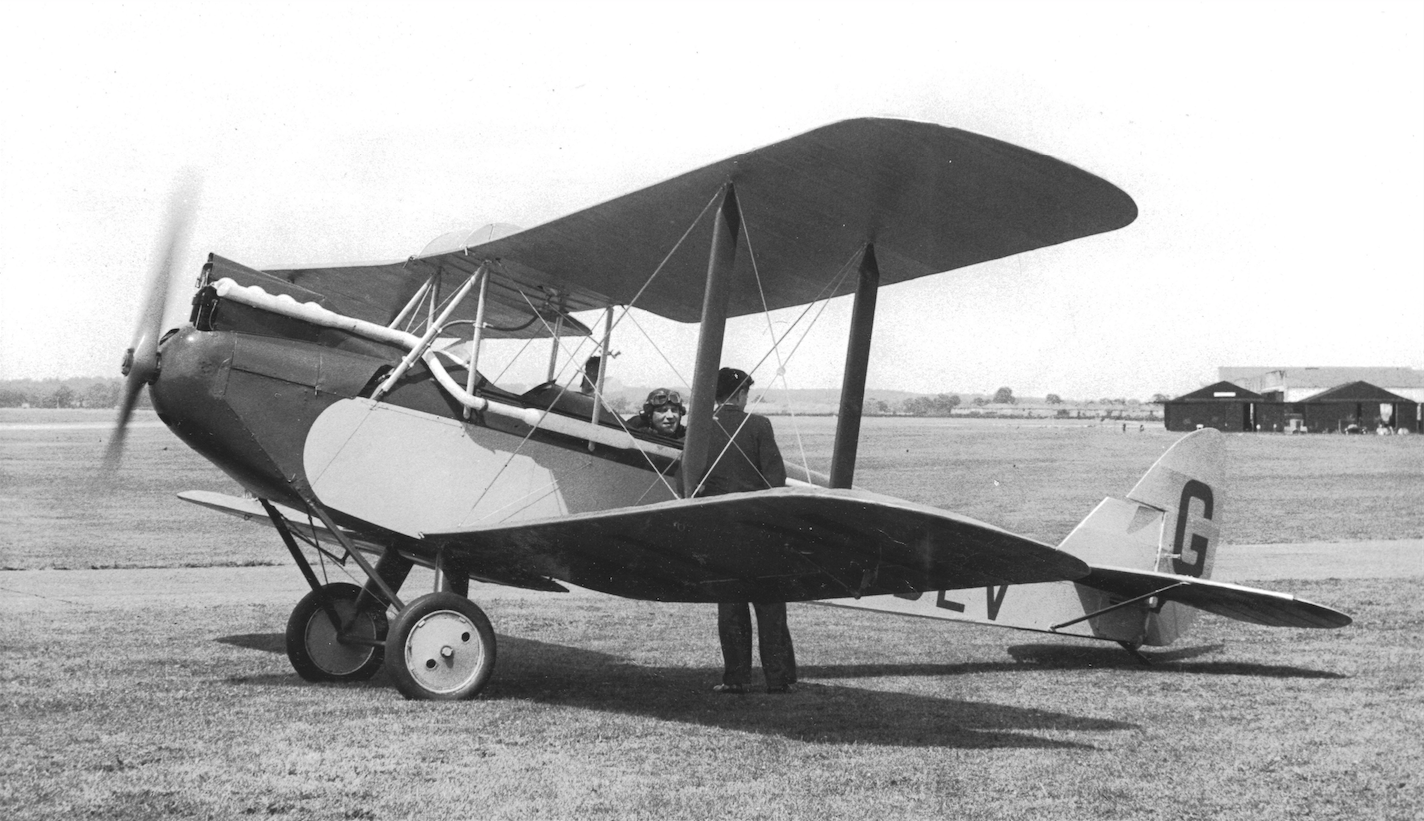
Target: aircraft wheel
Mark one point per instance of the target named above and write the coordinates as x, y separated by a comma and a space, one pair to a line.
441, 648
315, 647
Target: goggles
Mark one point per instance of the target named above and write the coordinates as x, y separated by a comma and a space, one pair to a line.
661, 397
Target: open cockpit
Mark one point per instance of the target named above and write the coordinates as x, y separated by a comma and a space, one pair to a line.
448, 336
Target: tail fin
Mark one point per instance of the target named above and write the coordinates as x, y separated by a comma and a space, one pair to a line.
1188, 484
1169, 523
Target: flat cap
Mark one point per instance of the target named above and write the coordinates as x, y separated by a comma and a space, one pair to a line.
731, 380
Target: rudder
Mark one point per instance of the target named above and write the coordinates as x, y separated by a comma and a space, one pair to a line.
1170, 522
1188, 484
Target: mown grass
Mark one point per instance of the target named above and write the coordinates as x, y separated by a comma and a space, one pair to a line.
177, 701
57, 510
600, 709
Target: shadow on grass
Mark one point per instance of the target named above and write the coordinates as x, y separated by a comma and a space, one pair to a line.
1051, 657
564, 676
266, 642
1112, 657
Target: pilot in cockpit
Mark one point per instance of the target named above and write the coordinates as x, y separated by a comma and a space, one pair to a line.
662, 414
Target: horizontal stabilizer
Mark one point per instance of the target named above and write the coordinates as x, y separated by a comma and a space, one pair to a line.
1248, 604
250, 510
787, 544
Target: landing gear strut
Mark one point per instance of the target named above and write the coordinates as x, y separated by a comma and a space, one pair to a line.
441, 646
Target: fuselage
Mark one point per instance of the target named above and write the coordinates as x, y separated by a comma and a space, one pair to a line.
289, 420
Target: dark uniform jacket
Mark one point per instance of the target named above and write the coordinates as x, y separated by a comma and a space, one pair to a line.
752, 462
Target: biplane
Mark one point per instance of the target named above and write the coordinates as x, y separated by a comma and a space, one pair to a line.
353, 405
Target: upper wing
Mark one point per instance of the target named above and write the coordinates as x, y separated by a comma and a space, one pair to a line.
930, 198
1247, 604
787, 544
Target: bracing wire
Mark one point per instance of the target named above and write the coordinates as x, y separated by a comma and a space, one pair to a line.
563, 388
833, 284
828, 291
631, 303
677, 373
781, 371
625, 313
775, 347
680, 240
513, 359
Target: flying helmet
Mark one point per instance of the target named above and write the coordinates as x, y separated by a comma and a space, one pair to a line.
659, 397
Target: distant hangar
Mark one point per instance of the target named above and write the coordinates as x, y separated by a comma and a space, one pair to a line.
1316, 400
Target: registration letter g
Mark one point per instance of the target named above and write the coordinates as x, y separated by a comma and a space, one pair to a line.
1189, 559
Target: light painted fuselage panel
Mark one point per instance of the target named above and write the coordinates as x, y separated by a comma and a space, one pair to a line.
413, 472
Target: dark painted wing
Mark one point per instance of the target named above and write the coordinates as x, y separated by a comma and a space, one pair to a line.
788, 544
930, 198
1248, 604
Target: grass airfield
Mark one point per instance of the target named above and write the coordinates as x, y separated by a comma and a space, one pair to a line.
159, 688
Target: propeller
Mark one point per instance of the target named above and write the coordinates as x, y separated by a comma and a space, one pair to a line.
140, 365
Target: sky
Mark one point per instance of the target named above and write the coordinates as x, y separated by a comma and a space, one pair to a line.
1275, 152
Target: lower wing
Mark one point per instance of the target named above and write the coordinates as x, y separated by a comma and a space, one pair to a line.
787, 544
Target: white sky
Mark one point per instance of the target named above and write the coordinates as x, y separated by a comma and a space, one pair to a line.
1275, 151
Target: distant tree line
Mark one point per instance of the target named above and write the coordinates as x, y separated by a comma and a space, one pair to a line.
77, 393
946, 404
939, 405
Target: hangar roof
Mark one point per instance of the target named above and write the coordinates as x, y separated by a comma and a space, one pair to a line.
1265, 378
1221, 391
1355, 392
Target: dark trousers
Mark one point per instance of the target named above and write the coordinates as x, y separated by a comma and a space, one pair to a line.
778, 657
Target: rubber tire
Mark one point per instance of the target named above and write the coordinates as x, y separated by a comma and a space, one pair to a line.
451, 622
311, 641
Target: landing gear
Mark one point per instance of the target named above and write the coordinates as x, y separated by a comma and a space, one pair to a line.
441, 645
351, 649
441, 648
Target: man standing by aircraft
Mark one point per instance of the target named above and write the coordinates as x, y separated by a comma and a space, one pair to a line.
745, 457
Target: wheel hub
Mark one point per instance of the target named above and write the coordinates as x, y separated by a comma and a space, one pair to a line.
330, 649
442, 653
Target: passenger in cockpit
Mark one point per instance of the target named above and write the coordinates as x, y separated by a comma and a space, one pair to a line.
662, 414
591, 367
